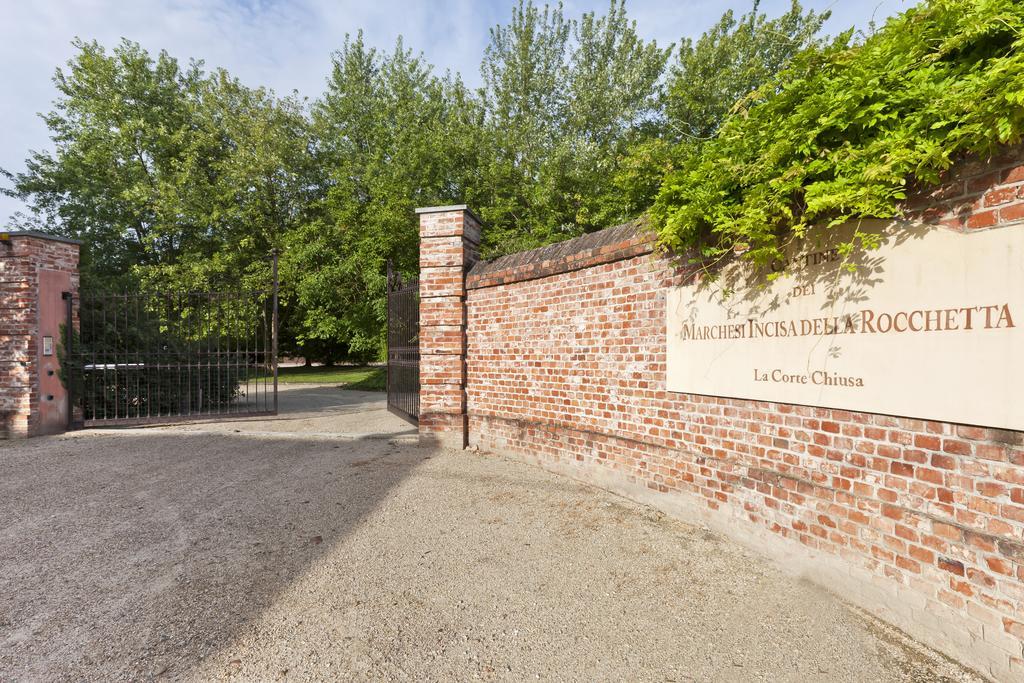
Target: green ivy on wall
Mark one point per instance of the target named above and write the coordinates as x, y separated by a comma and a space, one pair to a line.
846, 129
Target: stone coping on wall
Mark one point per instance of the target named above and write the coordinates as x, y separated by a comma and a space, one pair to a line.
447, 209
604, 246
8, 234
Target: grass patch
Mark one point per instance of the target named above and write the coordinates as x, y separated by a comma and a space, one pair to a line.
361, 378
375, 379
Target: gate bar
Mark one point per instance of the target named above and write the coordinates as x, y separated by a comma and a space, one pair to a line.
273, 343
387, 336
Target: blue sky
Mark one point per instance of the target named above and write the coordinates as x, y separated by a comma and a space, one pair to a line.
286, 44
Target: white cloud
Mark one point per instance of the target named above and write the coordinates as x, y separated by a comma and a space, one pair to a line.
286, 44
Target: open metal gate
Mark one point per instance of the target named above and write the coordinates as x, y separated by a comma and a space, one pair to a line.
403, 346
161, 357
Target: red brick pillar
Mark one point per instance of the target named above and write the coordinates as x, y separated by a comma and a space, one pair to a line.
35, 271
449, 246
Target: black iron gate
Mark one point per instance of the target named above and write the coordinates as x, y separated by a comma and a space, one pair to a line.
154, 357
403, 346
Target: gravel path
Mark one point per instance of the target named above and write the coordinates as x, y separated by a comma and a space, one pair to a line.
317, 411
195, 555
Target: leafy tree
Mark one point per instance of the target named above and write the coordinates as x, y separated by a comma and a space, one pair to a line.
258, 186
523, 72
181, 179
174, 179
389, 139
120, 126
729, 61
562, 99
614, 88
844, 129
705, 83
171, 177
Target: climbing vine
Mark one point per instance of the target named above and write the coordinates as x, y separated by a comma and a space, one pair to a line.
845, 130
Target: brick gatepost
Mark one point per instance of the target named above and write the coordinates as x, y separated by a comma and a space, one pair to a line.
449, 246
36, 270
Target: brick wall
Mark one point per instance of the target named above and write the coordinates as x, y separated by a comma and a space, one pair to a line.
22, 257
920, 522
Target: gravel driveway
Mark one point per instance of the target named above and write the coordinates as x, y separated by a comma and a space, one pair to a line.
206, 553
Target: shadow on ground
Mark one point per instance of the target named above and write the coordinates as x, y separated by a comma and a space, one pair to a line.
318, 411
130, 556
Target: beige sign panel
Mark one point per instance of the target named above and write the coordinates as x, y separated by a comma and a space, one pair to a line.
929, 325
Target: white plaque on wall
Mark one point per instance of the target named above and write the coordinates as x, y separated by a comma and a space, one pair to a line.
928, 325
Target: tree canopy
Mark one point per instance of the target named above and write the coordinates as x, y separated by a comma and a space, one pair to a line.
847, 127
182, 178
